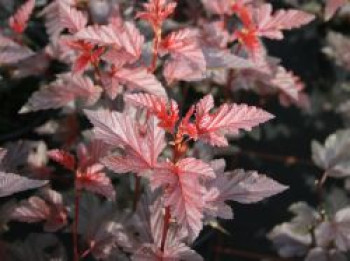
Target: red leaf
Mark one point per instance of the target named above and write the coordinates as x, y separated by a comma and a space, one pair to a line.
168, 115
19, 21
64, 158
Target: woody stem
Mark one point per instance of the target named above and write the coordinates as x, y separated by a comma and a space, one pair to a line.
137, 192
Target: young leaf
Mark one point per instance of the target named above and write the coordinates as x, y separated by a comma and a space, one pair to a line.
19, 21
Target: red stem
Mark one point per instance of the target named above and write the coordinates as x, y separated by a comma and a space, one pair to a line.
156, 41
75, 223
166, 225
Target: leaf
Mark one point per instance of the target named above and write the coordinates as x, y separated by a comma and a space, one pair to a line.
141, 150
19, 21
49, 208
168, 115
332, 7
286, 82
92, 178
335, 231
103, 35
71, 18
227, 119
12, 183
64, 158
270, 25
156, 12
184, 191
187, 59
334, 155
12, 52
138, 78
65, 89
321, 254
239, 185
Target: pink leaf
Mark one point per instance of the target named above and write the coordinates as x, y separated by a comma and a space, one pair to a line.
241, 186
65, 89
12, 52
141, 149
71, 18
286, 82
183, 191
19, 21
49, 208
12, 183
332, 7
227, 119
220, 7
64, 158
270, 25
138, 78
103, 35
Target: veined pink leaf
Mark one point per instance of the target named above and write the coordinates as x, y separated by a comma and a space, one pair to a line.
332, 7
63, 158
12, 52
241, 186
19, 21
219, 7
49, 208
103, 35
270, 25
12, 183
228, 119
51, 14
187, 59
184, 191
71, 18
168, 115
64, 90
151, 218
138, 78
141, 149
286, 82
